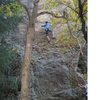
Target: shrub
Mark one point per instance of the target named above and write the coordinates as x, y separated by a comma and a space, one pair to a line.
9, 82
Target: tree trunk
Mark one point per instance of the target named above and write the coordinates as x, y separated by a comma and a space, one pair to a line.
28, 51
26, 63
82, 19
82, 63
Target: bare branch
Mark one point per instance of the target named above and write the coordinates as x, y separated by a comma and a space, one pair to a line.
50, 13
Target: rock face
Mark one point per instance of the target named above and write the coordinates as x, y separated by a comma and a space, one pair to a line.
52, 77
53, 74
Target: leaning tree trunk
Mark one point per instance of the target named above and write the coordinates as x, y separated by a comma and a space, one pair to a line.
26, 63
82, 64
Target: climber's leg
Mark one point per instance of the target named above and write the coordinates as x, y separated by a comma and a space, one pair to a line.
47, 35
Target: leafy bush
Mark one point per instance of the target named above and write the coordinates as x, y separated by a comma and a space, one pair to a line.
68, 41
9, 82
10, 15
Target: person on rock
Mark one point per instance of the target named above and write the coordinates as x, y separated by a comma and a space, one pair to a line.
47, 27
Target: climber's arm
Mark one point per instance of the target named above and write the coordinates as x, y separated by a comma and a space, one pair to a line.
43, 25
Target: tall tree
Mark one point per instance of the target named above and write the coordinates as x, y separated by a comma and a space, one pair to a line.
28, 46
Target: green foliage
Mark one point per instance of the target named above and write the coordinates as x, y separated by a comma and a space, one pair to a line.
9, 82
65, 39
67, 42
9, 15
56, 21
6, 55
72, 11
50, 4
8, 24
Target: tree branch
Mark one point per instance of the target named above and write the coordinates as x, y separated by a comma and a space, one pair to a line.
72, 9
50, 13
60, 2
25, 7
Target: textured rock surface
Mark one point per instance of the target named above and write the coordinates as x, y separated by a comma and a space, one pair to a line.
53, 74
53, 77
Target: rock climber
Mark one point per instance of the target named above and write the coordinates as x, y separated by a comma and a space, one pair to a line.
47, 27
